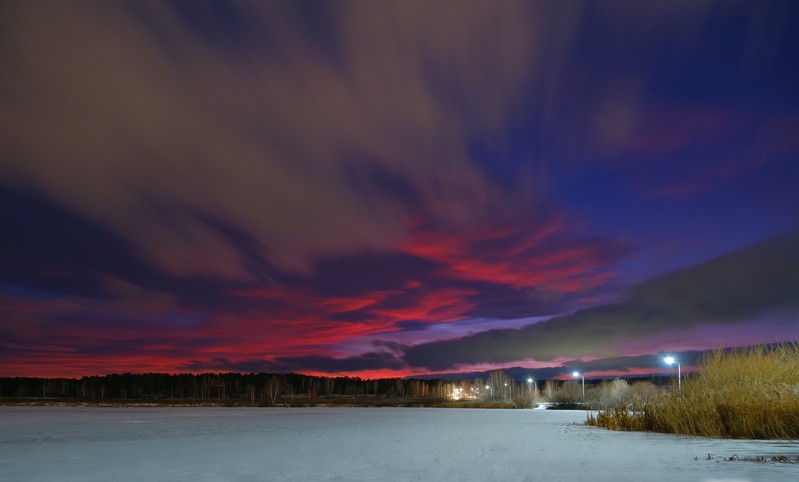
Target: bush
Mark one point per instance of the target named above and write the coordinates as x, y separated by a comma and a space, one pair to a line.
568, 396
746, 393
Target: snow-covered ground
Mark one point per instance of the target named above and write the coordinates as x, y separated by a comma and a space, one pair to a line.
374, 444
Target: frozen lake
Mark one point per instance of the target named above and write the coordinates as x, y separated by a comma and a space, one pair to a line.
385, 444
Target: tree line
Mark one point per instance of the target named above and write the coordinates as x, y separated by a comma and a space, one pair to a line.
253, 387
272, 389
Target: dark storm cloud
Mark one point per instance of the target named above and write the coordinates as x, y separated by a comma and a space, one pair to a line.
618, 366
626, 364
761, 280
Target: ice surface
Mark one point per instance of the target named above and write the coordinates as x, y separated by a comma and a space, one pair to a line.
374, 444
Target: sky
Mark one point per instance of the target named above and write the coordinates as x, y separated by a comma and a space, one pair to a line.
399, 188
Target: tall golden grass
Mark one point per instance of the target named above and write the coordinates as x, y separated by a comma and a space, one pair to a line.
746, 393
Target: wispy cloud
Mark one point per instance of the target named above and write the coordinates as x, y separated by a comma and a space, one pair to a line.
156, 129
285, 122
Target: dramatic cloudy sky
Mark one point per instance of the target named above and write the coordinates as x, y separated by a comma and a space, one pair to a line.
395, 188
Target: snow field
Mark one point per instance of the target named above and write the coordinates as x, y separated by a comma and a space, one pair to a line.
358, 444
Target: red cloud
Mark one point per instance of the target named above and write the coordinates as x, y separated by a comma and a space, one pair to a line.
519, 257
378, 311
440, 305
292, 321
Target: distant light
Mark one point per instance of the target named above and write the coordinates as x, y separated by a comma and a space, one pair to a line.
529, 380
487, 387
669, 359
576, 374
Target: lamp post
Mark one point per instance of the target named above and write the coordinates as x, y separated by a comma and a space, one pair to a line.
671, 361
529, 390
577, 374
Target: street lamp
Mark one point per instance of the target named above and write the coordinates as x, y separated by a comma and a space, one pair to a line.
529, 389
671, 361
577, 374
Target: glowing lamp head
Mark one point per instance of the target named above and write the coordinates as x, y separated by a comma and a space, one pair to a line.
575, 374
529, 380
669, 360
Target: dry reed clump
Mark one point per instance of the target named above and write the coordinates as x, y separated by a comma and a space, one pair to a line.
745, 393
618, 418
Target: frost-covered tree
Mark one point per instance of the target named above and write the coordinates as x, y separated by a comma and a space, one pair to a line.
618, 392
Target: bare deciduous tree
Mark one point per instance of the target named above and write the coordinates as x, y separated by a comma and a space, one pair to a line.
273, 388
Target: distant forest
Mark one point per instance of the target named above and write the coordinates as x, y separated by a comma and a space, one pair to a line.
497, 390
257, 389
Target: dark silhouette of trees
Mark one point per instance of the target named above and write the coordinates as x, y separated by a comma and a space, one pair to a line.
278, 389
252, 388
